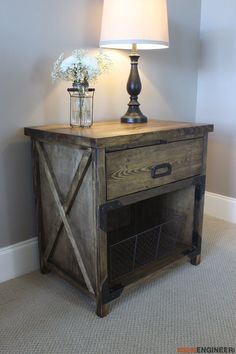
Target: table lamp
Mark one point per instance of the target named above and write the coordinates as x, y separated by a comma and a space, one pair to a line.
134, 24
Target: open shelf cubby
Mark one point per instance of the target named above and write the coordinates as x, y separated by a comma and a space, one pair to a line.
146, 235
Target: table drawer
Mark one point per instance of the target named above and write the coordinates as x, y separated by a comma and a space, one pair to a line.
133, 170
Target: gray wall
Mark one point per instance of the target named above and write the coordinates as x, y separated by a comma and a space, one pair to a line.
216, 101
32, 34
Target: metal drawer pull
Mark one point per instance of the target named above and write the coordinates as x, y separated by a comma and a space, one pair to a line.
155, 169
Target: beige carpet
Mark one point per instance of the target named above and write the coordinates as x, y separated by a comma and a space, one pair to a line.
186, 306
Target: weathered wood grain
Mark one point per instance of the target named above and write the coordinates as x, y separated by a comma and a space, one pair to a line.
151, 193
198, 219
113, 134
102, 265
129, 171
70, 279
64, 160
38, 207
76, 183
79, 172
56, 195
204, 154
181, 202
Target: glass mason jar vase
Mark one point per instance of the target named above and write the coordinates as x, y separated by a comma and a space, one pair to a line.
81, 106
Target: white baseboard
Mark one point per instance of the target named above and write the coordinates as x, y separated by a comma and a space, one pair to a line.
220, 207
18, 259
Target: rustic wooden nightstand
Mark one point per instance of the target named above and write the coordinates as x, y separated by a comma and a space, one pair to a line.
116, 203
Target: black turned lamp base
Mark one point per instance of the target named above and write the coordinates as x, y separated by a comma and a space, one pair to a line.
134, 117
134, 86
132, 120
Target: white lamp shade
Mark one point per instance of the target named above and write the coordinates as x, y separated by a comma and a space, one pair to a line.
140, 22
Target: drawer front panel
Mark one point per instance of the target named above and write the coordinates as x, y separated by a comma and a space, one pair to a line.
134, 170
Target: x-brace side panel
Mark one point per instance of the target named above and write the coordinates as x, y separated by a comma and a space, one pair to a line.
65, 207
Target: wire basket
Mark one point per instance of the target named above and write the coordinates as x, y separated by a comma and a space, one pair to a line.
145, 247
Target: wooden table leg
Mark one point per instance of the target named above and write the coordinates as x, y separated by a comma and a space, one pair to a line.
102, 309
196, 260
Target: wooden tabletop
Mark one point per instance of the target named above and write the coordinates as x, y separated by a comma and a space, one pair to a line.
108, 133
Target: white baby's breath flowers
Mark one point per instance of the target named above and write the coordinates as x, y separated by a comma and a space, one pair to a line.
80, 68
68, 62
